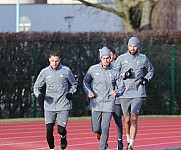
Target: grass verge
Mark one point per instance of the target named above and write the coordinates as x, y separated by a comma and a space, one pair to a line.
82, 118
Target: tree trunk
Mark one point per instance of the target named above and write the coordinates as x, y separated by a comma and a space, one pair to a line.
164, 15
125, 15
146, 15
127, 25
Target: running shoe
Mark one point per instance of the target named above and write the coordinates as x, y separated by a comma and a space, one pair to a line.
107, 147
120, 145
63, 142
127, 146
130, 147
98, 135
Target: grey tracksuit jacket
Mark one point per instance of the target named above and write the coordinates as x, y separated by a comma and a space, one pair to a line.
101, 82
138, 63
57, 86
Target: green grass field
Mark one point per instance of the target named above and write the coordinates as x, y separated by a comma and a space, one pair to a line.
82, 118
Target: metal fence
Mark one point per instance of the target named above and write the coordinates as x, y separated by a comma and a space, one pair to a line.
20, 64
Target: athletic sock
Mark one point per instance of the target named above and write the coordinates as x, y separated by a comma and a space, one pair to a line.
131, 142
128, 138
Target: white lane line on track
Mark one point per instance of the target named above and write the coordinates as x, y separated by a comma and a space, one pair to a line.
110, 141
140, 146
88, 128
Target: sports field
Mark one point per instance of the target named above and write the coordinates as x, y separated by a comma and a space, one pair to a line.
153, 134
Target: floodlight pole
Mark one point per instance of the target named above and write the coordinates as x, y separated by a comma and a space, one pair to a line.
17, 15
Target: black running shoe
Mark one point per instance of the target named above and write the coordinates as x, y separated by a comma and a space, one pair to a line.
107, 147
120, 145
130, 147
127, 147
63, 142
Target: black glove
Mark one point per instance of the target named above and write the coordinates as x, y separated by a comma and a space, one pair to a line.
41, 98
128, 74
69, 96
143, 81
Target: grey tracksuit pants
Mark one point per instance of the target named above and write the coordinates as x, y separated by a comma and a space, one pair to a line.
101, 123
117, 115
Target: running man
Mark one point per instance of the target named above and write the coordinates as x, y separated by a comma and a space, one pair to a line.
58, 97
100, 84
132, 66
117, 114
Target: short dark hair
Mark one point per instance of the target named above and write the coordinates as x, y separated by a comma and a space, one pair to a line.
54, 53
112, 50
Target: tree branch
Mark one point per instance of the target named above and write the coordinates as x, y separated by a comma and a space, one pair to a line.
109, 9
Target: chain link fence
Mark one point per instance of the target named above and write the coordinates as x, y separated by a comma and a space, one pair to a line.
21, 63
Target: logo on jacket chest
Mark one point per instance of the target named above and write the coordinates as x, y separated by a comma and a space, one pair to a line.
61, 76
110, 75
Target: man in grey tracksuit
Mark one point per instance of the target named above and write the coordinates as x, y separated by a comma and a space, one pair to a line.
132, 66
117, 114
99, 84
58, 97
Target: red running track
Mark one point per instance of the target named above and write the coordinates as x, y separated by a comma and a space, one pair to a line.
153, 134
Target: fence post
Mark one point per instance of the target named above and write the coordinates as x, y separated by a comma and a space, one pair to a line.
172, 99
35, 57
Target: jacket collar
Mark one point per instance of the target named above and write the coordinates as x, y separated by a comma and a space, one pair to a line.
110, 66
137, 53
58, 68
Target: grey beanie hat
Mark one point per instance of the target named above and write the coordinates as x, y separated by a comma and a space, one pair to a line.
104, 51
134, 41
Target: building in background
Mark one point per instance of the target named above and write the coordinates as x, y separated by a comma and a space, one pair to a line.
57, 15
51, 1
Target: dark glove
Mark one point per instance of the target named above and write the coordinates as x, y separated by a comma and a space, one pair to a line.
69, 96
41, 98
143, 81
128, 74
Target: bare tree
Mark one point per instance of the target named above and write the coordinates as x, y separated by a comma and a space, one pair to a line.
134, 15
147, 7
164, 16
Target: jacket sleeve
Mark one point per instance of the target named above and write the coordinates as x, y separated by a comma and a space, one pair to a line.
149, 69
39, 83
120, 85
73, 83
87, 82
117, 65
